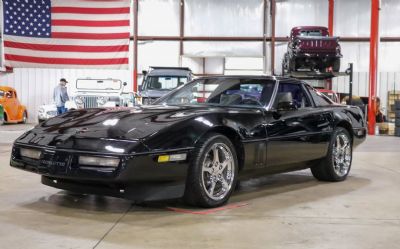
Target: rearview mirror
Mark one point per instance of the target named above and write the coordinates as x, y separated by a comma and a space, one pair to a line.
144, 72
125, 84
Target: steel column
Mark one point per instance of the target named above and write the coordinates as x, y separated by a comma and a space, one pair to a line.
265, 7
373, 66
331, 16
135, 44
181, 29
273, 38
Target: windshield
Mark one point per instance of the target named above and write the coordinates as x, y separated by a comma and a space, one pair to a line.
223, 92
91, 84
1, 94
311, 33
165, 82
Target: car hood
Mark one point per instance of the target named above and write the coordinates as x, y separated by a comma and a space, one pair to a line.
154, 93
120, 123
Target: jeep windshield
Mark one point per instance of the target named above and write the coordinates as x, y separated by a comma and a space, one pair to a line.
311, 33
222, 92
102, 85
165, 82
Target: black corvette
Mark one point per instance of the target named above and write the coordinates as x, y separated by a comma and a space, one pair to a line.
195, 142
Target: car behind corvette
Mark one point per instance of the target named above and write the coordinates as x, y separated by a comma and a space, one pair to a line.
195, 142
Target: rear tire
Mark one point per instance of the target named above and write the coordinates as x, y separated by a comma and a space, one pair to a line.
211, 181
24, 118
337, 164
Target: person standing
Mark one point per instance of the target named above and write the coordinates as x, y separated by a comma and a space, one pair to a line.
61, 96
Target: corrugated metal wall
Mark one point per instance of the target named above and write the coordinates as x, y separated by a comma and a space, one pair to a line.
234, 18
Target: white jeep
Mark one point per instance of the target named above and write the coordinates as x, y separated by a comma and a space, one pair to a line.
92, 93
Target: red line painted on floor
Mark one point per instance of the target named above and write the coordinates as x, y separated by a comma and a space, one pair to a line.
207, 211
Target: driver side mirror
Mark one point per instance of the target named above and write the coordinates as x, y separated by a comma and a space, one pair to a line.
140, 88
125, 84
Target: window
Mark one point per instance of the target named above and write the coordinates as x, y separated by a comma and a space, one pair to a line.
311, 33
223, 92
319, 98
1, 94
10, 95
165, 82
292, 91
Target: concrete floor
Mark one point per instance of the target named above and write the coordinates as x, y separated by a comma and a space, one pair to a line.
283, 211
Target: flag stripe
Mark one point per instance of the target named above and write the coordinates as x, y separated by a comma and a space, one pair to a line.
81, 23
21, 64
62, 61
33, 40
90, 4
83, 17
89, 30
65, 55
95, 11
67, 48
108, 36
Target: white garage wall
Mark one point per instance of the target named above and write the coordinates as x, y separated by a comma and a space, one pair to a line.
292, 13
223, 18
158, 17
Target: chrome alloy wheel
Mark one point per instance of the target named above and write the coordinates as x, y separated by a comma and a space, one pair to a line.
218, 171
341, 155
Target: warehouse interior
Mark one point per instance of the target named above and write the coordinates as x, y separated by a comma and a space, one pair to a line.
217, 38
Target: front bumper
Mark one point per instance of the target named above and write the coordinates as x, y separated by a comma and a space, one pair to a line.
319, 55
359, 136
137, 177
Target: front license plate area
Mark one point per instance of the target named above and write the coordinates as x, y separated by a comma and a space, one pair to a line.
54, 163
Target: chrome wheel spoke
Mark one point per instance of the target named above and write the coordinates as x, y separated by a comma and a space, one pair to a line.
224, 183
208, 170
211, 190
215, 155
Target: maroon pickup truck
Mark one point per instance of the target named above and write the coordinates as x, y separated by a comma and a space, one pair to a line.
311, 48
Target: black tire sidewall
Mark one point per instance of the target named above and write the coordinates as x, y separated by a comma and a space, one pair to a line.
195, 171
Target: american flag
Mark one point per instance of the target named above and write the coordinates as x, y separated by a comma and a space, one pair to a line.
66, 33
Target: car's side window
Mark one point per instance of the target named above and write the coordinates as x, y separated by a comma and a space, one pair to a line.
294, 93
319, 98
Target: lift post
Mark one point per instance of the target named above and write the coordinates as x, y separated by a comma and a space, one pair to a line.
349, 72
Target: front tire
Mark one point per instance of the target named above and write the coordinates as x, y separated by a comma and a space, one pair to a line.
213, 172
337, 164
